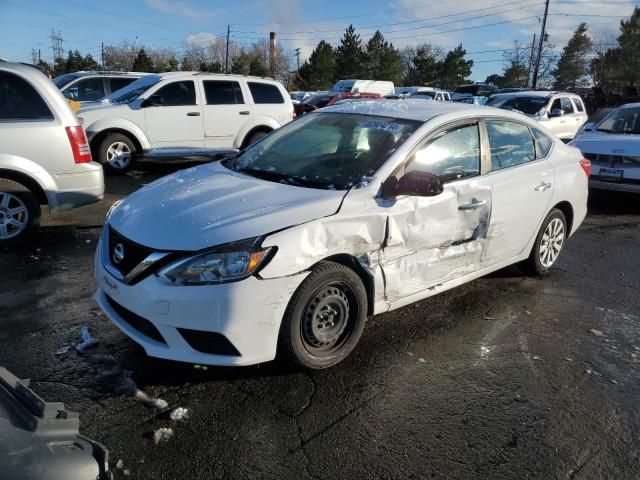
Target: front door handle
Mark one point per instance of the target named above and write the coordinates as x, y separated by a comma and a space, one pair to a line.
473, 205
245, 112
543, 186
193, 114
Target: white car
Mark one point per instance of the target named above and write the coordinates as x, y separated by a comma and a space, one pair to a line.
613, 146
429, 93
562, 113
347, 212
92, 86
183, 109
44, 154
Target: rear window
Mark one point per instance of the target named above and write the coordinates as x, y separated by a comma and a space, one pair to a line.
222, 92
62, 80
543, 143
20, 101
265, 93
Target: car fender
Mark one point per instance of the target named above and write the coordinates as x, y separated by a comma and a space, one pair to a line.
255, 121
35, 172
117, 123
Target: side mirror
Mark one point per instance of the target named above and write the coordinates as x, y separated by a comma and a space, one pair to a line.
418, 184
588, 126
152, 101
556, 112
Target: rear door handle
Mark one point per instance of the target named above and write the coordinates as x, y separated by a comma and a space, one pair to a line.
245, 112
473, 205
193, 114
543, 186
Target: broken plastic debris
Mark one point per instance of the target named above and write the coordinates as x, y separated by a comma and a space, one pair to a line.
162, 435
536, 357
179, 413
120, 464
422, 360
62, 350
597, 333
153, 402
87, 340
588, 371
487, 317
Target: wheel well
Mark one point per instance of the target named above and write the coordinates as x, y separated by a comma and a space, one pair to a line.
366, 277
95, 141
261, 128
28, 182
567, 209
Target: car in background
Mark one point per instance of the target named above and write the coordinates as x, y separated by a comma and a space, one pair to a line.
474, 90
380, 87
429, 93
92, 86
475, 100
45, 157
348, 212
562, 113
613, 146
183, 109
327, 99
512, 90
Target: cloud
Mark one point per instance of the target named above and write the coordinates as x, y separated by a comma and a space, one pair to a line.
201, 39
178, 8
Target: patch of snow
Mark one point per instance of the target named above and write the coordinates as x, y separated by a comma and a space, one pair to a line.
162, 435
179, 413
120, 464
62, 350
597, 333
152, 402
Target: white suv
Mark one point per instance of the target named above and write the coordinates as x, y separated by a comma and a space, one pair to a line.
183, 109
561, 112
45, 158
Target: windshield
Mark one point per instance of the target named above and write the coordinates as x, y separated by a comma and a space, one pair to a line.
424, 95
526, 105
63, 80
333, 151
624, 120
134, 89
471, 89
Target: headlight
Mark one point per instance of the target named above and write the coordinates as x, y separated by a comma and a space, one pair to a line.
225, 264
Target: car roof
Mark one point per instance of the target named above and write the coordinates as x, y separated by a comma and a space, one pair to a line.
105, 73
212, 75
408, 109
536, 93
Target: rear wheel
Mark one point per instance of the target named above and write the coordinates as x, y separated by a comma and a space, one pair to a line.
19, 212
548, 245
116, 153
325, 317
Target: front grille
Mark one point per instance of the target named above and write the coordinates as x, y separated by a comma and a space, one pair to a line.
209, 342
142, 325
132, 253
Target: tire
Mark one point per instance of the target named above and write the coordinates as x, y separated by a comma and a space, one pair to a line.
546, 251
254, 137
325, 317
19, 212
116, 153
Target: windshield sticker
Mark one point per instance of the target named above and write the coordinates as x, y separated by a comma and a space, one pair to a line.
381, 125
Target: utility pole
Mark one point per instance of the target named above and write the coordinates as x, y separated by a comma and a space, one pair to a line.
533, 51
102, 54
534, 82
226, 55
297, 54
56, 46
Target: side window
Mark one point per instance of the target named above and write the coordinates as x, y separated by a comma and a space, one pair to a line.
566, 105
87, 90
265, 93
511, 144
556, 105
543, 143
222, 92
118, 83
578, 104
20, 101
178, 93
452, 155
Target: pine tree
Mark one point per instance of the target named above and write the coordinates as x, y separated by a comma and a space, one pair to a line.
143, 62
573, 66
454, 69
629, 41
383, 61
318, 72
350, 56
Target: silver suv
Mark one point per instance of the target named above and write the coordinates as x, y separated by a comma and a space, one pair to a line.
45, 157
91, 86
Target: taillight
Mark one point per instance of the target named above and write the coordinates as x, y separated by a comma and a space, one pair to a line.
79, 144
586, 166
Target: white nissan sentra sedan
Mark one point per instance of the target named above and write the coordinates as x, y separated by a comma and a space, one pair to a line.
345, 213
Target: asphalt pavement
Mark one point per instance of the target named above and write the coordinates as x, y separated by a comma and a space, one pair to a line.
507, 377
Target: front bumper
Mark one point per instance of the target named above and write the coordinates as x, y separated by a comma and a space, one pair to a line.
83, 186
247, 313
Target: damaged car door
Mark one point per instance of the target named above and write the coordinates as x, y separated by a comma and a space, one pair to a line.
431, 240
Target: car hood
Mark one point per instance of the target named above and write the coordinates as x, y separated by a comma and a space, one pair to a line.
608, 143
211, 205
99, 107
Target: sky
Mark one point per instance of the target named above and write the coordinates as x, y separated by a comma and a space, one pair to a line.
485, 27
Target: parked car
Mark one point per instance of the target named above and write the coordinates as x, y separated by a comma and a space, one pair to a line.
561, 112
512, 90
474, 90
380, 87
428, 93
613, 146
347, 212
183, 109
44, 154
475, 100
327, 99
92, 86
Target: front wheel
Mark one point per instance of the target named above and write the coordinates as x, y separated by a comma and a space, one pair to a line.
548, 245
19, 212
325, 317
